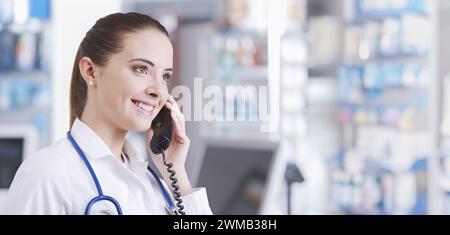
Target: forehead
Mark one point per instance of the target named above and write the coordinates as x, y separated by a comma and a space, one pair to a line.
148, 44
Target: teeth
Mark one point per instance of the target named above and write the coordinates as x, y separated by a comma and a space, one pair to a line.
144, 106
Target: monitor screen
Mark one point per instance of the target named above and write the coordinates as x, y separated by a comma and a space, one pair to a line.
11, 156
235, 178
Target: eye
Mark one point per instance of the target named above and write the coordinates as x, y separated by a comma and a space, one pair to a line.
166, 76
140, 69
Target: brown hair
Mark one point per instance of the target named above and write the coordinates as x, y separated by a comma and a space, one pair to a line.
100, 42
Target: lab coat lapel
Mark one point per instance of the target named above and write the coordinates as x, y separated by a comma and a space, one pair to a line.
89, 141
95, 148
137, 162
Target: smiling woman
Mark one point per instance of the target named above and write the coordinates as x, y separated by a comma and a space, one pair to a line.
118, 85
137, 71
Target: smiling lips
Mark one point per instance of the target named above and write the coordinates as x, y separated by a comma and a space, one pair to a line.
145, 107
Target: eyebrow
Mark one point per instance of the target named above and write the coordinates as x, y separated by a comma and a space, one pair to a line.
149, 62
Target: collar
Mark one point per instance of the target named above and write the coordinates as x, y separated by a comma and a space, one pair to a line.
95, 148
89, 141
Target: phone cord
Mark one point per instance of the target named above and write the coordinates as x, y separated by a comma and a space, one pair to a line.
176, 194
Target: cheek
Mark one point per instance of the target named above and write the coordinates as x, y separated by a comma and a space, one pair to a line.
133, 87
115, 90
164, 95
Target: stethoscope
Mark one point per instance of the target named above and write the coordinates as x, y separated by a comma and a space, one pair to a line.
101, 197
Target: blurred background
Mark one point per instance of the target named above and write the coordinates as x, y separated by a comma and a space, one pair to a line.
359, 103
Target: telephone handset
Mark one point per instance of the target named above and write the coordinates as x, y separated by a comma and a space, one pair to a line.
162, 131
160, 142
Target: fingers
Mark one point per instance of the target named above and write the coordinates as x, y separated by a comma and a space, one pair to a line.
178, 120
173, 106
150, 133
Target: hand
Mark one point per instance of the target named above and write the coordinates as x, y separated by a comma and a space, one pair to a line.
177, 151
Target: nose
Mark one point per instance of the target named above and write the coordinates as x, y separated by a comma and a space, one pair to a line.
156, 87
153, 93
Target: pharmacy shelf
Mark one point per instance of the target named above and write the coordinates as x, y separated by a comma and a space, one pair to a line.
386, 95
382, 16
401, 58
237, 32
22, 115
237, 62
390, 93
360, 211
242, 75
39, 76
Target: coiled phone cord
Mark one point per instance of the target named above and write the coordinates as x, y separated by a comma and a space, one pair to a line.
176, 194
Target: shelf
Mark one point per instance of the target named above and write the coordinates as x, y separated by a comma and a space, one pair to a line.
374, 167
297, 34
445, 184
384, 126
22, 114
241, 81
253, 75
385, 67
251, 72
240, 32
388, 96
400, 58
33, 76
359, 19
239, 139
31, 25
360, 211
303, 65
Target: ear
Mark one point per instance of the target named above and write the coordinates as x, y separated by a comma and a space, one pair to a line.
87, 70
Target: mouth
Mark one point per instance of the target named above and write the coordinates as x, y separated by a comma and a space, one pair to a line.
143, 107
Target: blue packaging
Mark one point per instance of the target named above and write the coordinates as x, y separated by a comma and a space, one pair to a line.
392, 75
5, 101
421, 101
7, 49
390, 38
39, 9
373, 77
349, 79
41, 122
26, 51
385, 7
21, 94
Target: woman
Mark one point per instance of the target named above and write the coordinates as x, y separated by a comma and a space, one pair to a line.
118, 85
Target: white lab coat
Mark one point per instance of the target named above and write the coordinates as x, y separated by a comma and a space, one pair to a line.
55, 180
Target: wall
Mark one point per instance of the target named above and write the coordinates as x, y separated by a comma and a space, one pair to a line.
71, 19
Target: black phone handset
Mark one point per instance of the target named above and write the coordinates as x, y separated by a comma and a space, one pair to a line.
162, 136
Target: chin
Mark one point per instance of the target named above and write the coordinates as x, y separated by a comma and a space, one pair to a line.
140, 125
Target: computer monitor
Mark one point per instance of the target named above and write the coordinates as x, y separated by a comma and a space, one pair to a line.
16, 142
236, 175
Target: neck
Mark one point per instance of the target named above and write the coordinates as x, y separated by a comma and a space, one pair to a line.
113, 136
